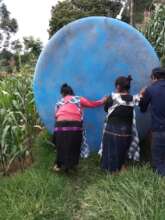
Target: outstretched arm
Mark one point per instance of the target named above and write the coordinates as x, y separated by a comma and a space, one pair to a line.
91, 104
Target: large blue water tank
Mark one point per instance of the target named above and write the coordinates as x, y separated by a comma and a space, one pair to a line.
89, 54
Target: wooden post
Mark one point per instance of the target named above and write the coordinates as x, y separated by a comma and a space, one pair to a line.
132, 12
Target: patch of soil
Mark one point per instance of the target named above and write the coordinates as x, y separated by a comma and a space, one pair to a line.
18, 165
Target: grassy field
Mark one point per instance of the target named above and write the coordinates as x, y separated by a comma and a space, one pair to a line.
89, 194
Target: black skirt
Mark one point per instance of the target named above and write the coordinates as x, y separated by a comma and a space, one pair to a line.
116, 142
68, 139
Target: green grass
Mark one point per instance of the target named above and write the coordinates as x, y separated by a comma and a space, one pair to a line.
89, 194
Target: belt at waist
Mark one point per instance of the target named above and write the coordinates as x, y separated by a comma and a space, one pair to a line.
68, 129
119, 120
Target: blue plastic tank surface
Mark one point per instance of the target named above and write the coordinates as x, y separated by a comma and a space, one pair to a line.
89, 54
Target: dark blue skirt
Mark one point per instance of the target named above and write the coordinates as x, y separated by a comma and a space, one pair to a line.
116, 142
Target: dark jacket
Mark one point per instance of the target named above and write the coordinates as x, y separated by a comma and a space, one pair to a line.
155, 95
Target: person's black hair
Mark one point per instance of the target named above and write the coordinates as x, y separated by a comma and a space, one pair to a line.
66, 90
158, 73
124, 83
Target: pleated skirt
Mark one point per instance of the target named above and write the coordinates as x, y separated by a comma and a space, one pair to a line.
116, 142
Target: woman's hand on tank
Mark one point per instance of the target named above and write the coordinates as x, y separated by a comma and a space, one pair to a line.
104, 99
142, 91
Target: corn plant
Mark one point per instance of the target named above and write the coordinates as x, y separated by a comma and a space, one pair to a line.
155, 30
18, 119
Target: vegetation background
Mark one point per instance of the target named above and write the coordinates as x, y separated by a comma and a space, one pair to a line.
37, 193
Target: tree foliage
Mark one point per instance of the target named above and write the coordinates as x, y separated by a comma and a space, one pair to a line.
33, 46
6, 60
20, 54
8, 26
70, 10
139, 7
155, 30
